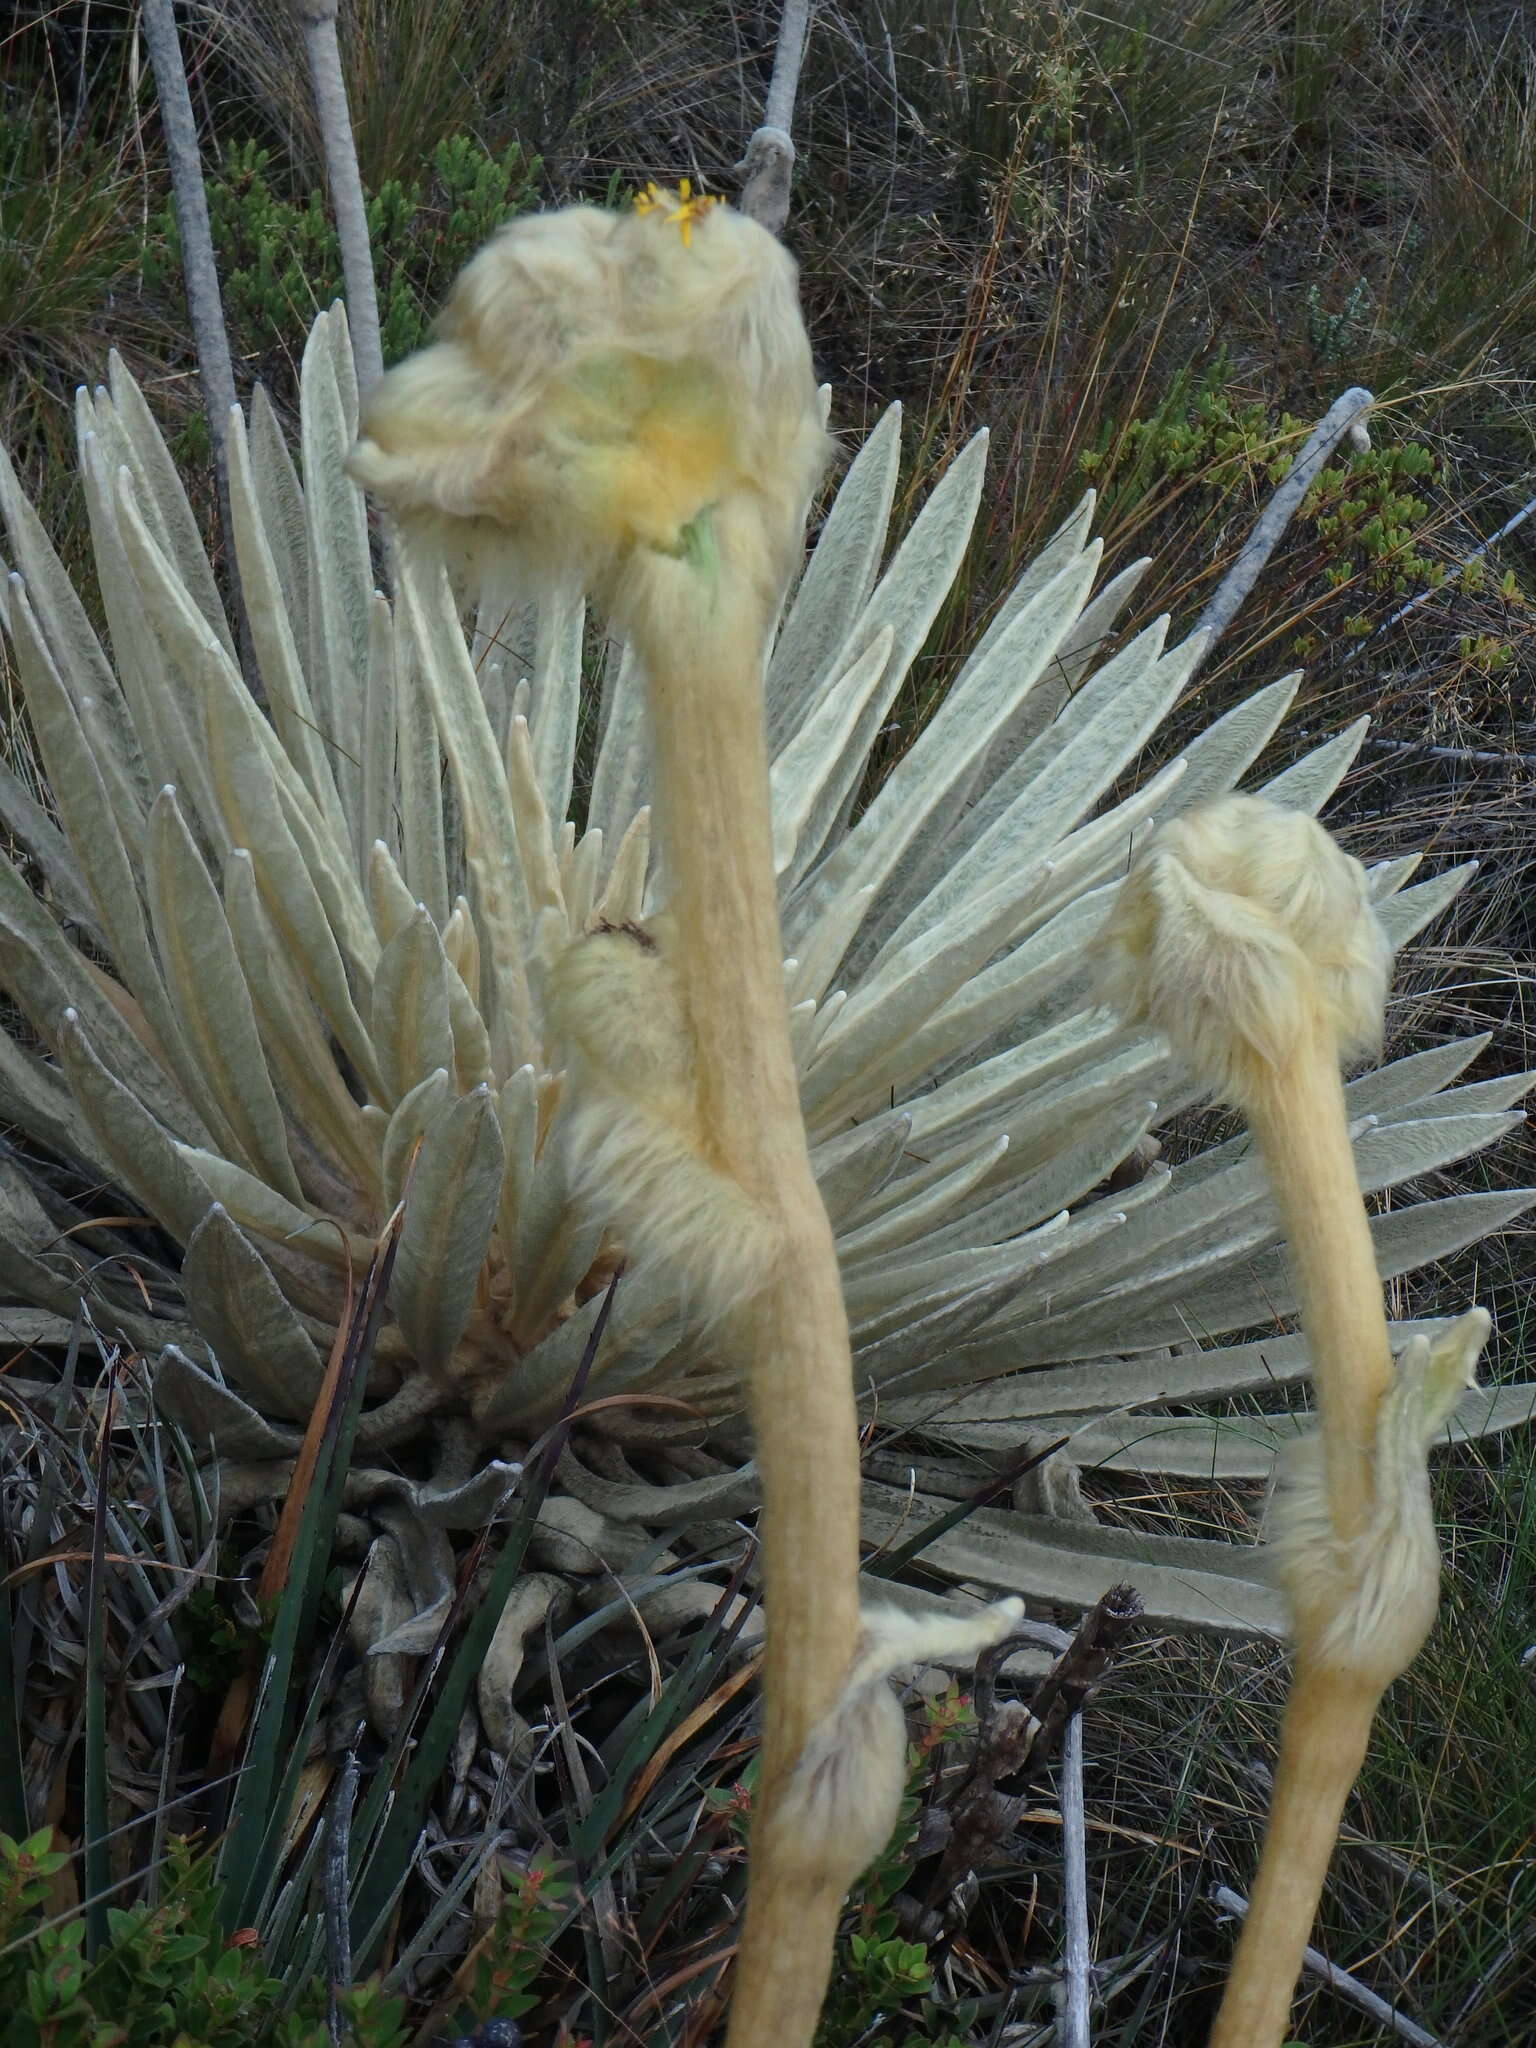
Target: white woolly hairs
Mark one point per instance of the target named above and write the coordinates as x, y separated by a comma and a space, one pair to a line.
1238, 927
843, 1796
595, 381
1366, 1606
633, 1134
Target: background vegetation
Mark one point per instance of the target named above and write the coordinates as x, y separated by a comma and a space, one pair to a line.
1147, 244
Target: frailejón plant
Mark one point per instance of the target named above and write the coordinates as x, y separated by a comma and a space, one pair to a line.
276, 953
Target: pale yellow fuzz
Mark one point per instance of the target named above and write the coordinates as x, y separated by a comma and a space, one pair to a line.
634, 1134
1240, 927
843, 1795
597, 380
1248, 939
1365, 1608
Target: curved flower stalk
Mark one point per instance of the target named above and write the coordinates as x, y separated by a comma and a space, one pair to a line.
1248, 938
644, 417
295, 950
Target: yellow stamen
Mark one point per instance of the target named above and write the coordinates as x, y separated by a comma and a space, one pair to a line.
690, 207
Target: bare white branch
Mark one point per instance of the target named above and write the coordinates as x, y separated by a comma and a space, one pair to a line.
1344, 418
346, 183
768, 165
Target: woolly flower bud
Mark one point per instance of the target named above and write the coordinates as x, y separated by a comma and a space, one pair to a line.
1365, 1607
1240, 928
634, 1133
843, 1797
598, 380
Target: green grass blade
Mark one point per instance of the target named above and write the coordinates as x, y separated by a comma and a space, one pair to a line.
98, 1874
255, 1833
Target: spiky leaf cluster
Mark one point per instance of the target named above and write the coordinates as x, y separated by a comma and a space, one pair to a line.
280, 958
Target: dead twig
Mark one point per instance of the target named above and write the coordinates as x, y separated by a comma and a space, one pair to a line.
1344, 419
769, 163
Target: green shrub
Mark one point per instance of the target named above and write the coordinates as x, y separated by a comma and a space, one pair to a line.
166, 1977
278, 256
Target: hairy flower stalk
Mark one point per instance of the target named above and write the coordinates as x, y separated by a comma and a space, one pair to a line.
1247, 937
630, 400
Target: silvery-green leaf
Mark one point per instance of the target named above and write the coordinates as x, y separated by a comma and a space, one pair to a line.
1180, 1579
852, 1167
408, 1124
557, 696
535, 845
450, 1210
906, 600
1308, 783
280, 500
71, 640
624, 892
84, 807
299, 1056
1070, 1176
922, 1213
805, 783
46, 976
26, 820
726, 1494
1169, 1247
501, 903
1260, 1288
141, 1153
579, 875
275, 634
408, 1020
622, 778
921, 797
151, 744
423, 826
908, 987
341, 574
172, 519
1486, 1411
1069, 539
269, 1216
35, 1100
214, 1016
836, 583
1055, 782
254, 820
59, 1280
210, 1412
253, 1333
1088, 1042
1411, 909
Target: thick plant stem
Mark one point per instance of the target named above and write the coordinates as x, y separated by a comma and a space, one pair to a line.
205, 305
1297, 1115
345, 181
1322, 1746
791, 1336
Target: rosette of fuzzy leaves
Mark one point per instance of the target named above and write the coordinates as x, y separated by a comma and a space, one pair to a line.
277, 957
